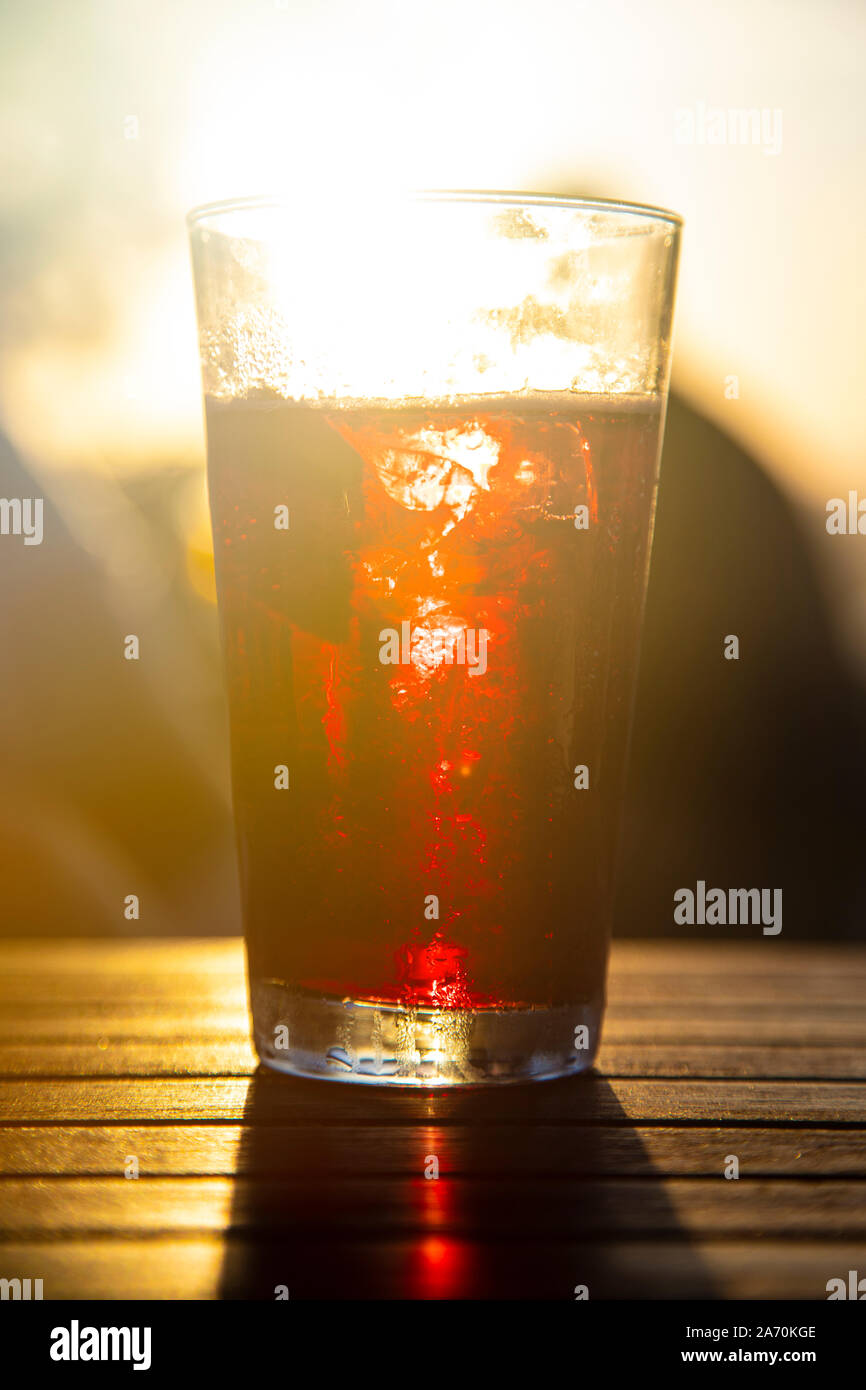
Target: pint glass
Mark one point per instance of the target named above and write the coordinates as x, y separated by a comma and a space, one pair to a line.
433, 428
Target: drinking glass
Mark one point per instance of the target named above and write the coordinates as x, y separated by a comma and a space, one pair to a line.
433, 427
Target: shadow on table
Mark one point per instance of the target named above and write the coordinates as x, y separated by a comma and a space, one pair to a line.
540, 1189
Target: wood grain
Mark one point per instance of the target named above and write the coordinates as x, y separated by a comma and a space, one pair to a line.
519, 1150
120, 1057
385, 1208
110, 1050
584, 1100
197, 1268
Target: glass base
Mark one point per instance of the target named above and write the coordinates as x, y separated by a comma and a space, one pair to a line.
383, 1044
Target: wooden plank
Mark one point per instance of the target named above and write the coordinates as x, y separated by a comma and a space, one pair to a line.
270, 1098
237, 1058
386, 1208
118, 1025
224, 1149
659, 1025
768, 986
723, 1060
112, 1268
199, 955
125, 1058
61, 970
225, 955
763, 956
401, 1150
123, 1014
102, 990
430, 1268
822, 1026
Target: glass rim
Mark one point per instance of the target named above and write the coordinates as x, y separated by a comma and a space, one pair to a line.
646, 211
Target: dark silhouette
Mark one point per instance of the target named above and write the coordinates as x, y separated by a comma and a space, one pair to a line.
743, 773
532, 1196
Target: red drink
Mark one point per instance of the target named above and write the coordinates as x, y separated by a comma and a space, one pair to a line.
431, 619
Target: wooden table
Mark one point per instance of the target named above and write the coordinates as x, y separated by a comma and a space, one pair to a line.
123, 1055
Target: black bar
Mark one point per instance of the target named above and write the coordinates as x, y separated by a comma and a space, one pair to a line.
257, 1341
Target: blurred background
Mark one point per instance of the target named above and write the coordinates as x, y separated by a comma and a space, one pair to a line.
119, 115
